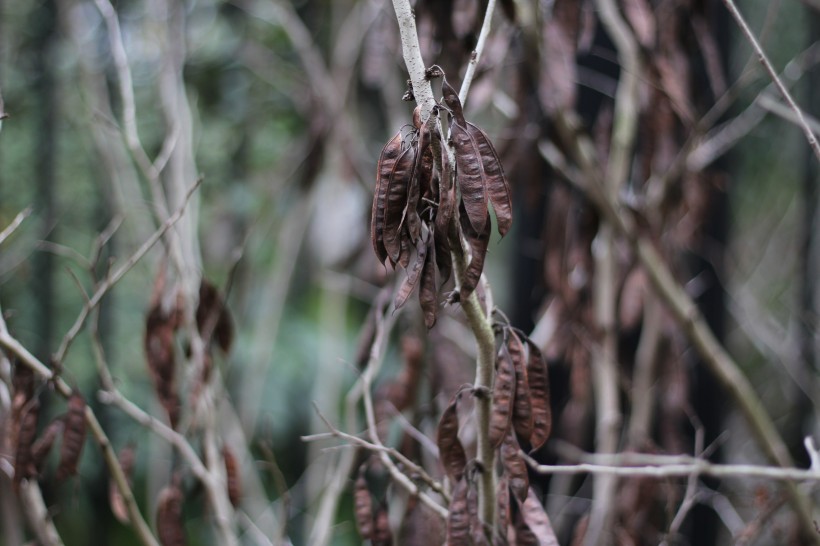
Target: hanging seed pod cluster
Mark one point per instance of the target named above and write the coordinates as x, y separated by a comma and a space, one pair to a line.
520, 419
419, 192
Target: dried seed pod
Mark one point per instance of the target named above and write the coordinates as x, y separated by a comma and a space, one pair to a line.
427, 288
498, 190
115, 500
536, 521
451, 452
458, 519
363, 505
470, 177
414, 274
444, 215
233, 476
476, 527
478, 247
503, 388
169, 516
160, 327
73, 437
212, 316
514, 466
452, 101
381, 528
421, 170
539, 382
396, 201
387, 161
522, 404
43, 445
502, 495
26, 432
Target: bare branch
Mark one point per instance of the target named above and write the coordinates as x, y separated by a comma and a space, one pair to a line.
12, 227
764, 60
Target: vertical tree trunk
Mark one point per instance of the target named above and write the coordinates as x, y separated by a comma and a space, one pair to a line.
44, 26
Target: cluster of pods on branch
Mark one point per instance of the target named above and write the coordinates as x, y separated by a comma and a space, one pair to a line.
30, 451
424, 201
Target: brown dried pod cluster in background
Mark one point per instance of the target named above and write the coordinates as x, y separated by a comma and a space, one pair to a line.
213, 320
415, 200
160, 328
115, 499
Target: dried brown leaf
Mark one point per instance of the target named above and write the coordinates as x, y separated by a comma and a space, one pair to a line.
384, 169
514, 466
539, 382
451, 452
71, 447
503, 389
458, 519
522, 419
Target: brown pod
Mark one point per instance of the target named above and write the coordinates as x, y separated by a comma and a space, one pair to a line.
539, 381
233, 478
414, 273
470, 175
396, 201
458, 519
169, 516
498, 190
427, 288
502, 495
73, 437
213, 320
476, 526
522, 404
115, 499
42, 447
514, 466
160, 327
444, 215
363, 505
26, 432
478, 248
451, 452
535, 520
384, 169
381, 528
503, 388
422, 172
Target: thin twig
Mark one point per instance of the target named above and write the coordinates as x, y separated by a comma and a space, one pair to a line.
12, 227
117, 274
476, 55
764, 60
37, 513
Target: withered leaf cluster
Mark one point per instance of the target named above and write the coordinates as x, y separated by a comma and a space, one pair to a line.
419, 193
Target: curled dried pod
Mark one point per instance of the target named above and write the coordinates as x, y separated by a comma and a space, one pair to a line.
42, 447
539, 383
73, 437
522, 403
381, 528
213, 320
515, 468
26, 427
384, 169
